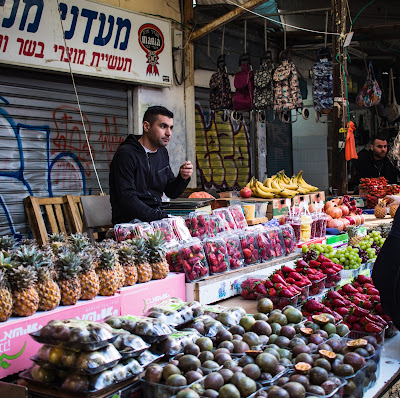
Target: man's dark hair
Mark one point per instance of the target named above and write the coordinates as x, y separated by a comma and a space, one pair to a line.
151, 115
380, 137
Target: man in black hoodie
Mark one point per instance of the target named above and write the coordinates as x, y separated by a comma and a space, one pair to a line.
375, 162
140, 172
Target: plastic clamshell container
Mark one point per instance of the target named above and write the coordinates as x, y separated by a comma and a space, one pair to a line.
248, 243
349, 273
176, 312
333, 280
304, 294
176, 342
166, 228
238, 216
179, 227
289, 238
174, 257
211, 326
141, 230
265, 248
147, 357
317, 286
159, 390
198, 223
83, 363
354, 387
233, 249
123, 232
129, 345
216, 225
227, 220
276, 240
373, 367
280, 302
195, 263
216, 254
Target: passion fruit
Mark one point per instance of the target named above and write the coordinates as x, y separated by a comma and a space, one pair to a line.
188, 362
251, 339
329, 355
268, 363
295, 389
223, 335
247, 322
262, 327
226, 374
205, 344
323, 363
299, 378
265, 306
302, 368
259, 316
292, 314
320, 319
228, 391
227, 344
303, 357
192, 349
187, 393
300, 349
214, 381
355, 360
252, 370
306, 331
246, 386
318, 375
206, 356
277, 392
358, 343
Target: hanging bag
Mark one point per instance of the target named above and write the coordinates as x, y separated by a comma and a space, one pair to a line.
393, 110
220, 88
263, 88
244, 84
371, 93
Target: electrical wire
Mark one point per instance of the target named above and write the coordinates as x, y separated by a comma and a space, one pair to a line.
362, 9
282, 23
78, 102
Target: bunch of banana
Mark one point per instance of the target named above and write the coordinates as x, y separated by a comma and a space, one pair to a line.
259, 190
303, 184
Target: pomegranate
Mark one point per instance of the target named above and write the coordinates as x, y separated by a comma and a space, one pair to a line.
311, 208
345, 210
335, 223
334, 212
245, 192
329, 204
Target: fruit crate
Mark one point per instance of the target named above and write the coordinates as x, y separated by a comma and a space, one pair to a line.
280, 302
317, 286
380, 337
333, 280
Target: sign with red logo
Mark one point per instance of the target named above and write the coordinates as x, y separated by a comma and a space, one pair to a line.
151, 40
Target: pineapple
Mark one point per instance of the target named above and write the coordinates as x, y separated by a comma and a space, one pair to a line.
7, 243
107, 273
392, 210
142, 264
88, 278
354, 239
79, 242
57, 241
49, 292
68, 268
5, 297
380, 210
127, 260
157, 253
24, 294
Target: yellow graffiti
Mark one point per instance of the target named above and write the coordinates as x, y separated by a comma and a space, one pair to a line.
222, 153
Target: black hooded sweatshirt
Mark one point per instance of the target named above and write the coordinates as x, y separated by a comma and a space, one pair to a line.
138, 180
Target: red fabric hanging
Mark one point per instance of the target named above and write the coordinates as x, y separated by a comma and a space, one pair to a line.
350, 145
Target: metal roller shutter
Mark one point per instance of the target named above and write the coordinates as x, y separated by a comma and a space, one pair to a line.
222, 148
43, 149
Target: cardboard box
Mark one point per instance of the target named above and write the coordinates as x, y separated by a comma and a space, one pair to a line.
277, 207
317, 197
17, 347
301, 198
139, 298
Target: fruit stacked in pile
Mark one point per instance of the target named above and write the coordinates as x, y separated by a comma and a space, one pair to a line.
377, 188
217, 259
68, 270
359, 304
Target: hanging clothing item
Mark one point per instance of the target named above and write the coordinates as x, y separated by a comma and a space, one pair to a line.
244, 84
263, 86
350, 145
220, 90
287, 94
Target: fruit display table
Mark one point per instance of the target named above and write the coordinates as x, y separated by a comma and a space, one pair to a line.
16, 346
371, 221
222, 286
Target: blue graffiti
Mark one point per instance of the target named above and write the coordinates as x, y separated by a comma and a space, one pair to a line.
222, 290
18, 174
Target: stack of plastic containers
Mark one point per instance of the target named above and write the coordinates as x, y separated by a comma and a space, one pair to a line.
166, 228
289, 238
198, 223
194, 260
233, 248
226, 217
249, 247
238, 216
277, 243
216, 254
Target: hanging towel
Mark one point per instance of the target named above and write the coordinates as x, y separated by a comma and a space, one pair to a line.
350, 148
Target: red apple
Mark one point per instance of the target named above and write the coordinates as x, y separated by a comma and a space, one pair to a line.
245, 192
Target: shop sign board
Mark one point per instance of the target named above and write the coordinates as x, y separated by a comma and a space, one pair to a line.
138, 299
100, 40
17, 347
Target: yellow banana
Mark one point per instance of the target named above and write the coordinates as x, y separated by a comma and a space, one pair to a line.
301, 190
304, 184
248, 184
260, 192
267, 182
275, 184
285, 193
262, 187
288, 186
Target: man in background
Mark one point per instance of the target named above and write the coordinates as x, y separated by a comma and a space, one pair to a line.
375, 162
140, 171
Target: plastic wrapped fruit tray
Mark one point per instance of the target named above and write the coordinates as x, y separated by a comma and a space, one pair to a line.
317, 286
304, 295
350, 273
280, 302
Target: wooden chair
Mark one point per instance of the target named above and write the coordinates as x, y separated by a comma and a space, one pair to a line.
53, 215
96, 214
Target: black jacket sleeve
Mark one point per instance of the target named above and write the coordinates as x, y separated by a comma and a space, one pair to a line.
124, 183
